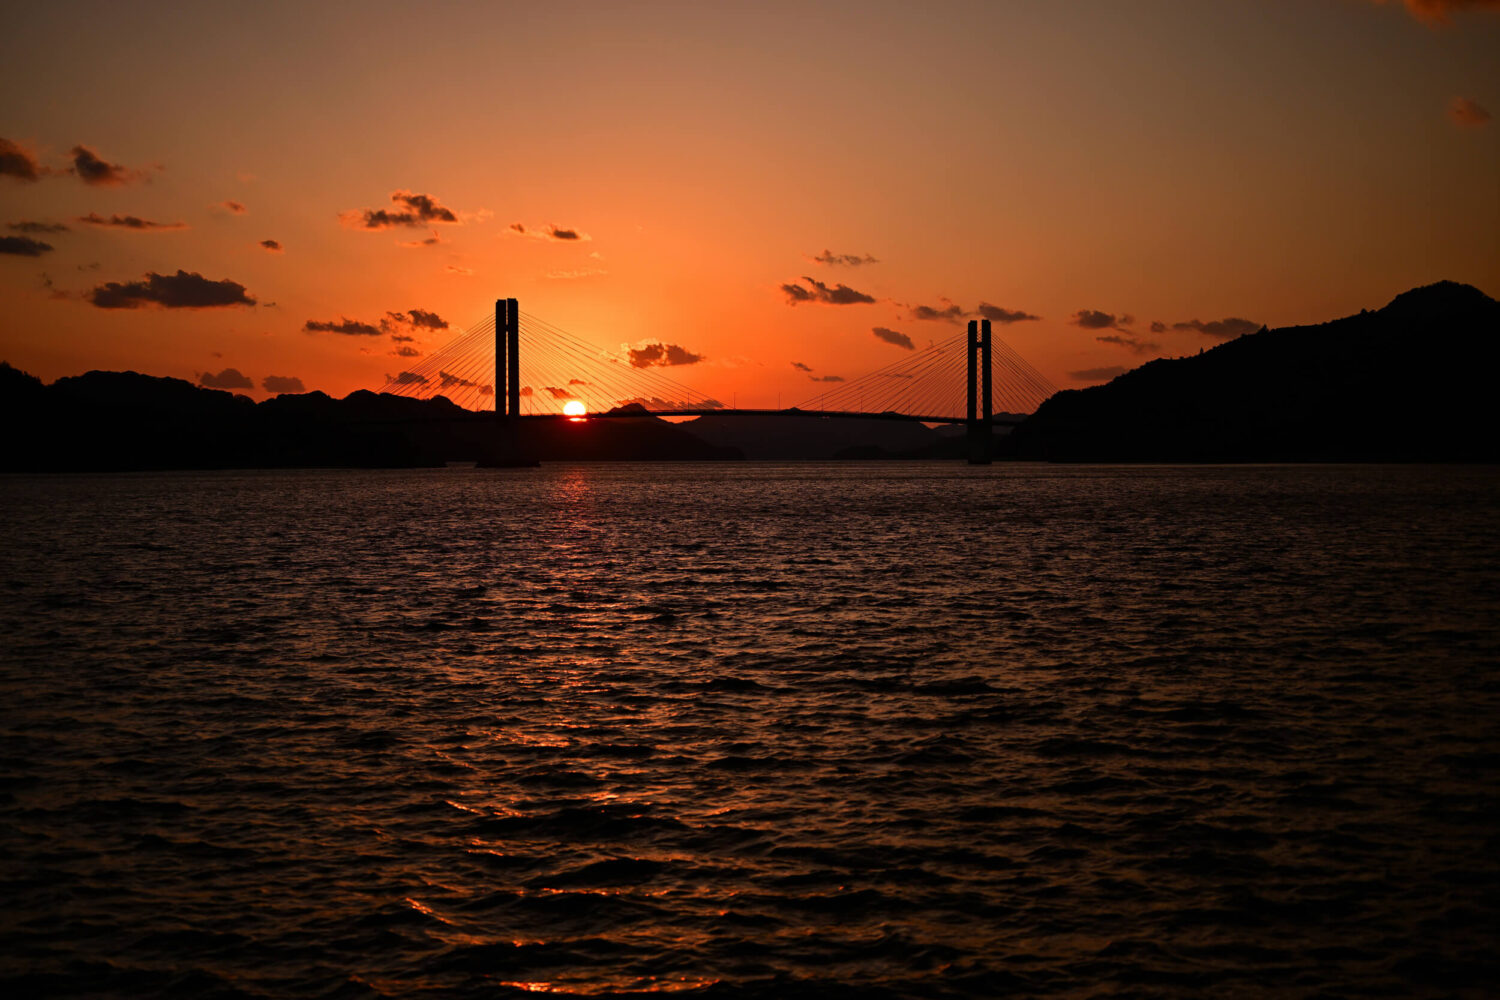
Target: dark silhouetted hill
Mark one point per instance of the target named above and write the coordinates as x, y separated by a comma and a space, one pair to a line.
1412, 382
108, 421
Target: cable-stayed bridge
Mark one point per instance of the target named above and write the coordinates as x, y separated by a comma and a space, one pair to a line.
520, 366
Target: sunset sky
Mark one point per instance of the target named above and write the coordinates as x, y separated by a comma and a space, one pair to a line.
1143, 177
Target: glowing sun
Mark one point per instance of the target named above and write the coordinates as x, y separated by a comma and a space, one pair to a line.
574, 408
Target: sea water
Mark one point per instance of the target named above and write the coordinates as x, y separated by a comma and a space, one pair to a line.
751, 730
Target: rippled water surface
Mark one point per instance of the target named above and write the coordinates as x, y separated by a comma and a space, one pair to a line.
840, 730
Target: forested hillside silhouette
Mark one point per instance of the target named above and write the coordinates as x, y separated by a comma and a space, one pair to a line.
1414, 381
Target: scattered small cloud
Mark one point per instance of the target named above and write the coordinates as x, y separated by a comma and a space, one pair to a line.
894, 337
183, 290
19, 162
272, 246
349, 327
1435, 12
447, 381
1093, 319
1157, 326
23, 246
406, 351
844, 259
233, 207
660, 355
1224, 329
998, 315
801, 367
1131, 344
401, 338
1098, 374
282, 383
411, 209
839, 295
39, 228
406, 378
128, 222
558, 392
229, 378
576, 381
949, 313
1467, 113
826, 378
573, 275
462, 272
430, 241
92, 169
566, 234
419, 319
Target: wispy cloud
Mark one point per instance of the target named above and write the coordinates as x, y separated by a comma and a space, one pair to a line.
430, 241
576, 273
844, 259
1131, 344
1221, 328
272, 245
826, 378
564, 234
894, 337
128, 222
448, 381
349, 327
233, 207
838, 295
38, 228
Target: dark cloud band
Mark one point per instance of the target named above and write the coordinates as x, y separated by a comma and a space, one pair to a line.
183, 290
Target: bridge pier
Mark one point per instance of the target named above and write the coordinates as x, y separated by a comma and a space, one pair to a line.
979, 420
509, 446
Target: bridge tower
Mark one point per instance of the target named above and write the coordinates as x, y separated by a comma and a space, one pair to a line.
979, 420
509, 447
507, 358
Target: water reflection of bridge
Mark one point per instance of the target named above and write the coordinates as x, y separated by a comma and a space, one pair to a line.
973, 378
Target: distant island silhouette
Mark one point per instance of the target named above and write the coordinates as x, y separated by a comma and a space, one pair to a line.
1410, 382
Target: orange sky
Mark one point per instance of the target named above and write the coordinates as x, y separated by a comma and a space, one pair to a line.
1170, 161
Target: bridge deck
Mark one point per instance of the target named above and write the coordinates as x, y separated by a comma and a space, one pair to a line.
1002, 419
